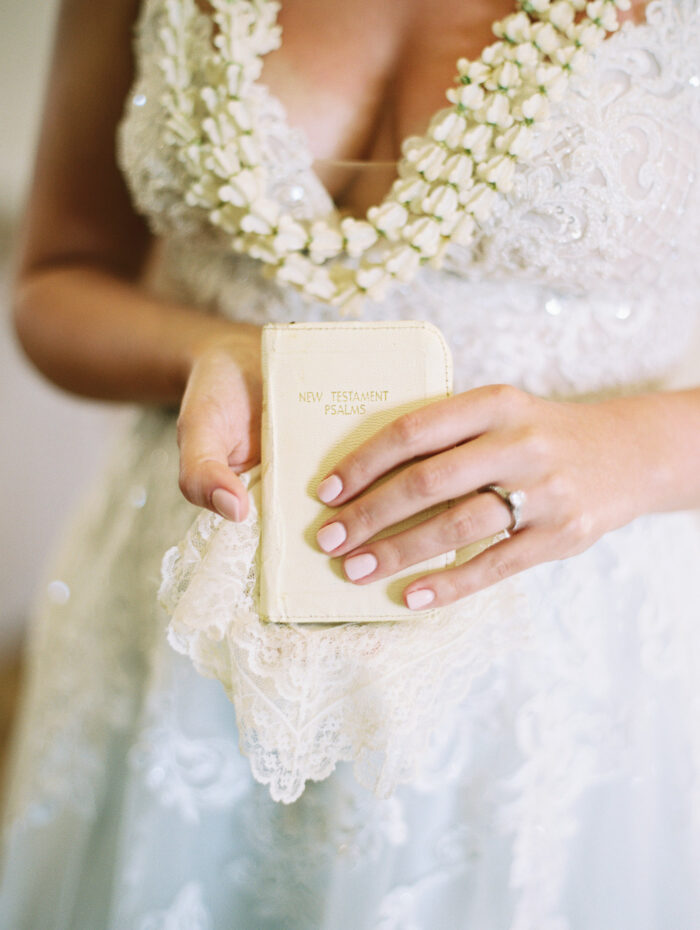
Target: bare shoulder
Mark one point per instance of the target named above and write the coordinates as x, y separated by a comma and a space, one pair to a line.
78, 205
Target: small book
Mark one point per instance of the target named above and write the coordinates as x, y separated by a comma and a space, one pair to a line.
327, 388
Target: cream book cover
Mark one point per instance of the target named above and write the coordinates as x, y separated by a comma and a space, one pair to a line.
328, 387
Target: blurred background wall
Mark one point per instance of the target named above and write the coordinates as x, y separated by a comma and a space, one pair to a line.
50, 443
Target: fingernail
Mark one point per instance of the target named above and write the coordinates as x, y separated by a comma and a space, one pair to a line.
359, 566
226, 504
331, 536
420, 598
329, 488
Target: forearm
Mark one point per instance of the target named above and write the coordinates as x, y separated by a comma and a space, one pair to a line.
97, 334
658, 450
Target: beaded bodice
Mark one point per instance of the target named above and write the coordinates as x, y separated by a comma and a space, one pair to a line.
583, 280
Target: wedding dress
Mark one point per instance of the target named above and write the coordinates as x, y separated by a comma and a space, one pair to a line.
559, 788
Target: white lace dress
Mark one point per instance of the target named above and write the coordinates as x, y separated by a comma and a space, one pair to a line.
559, 788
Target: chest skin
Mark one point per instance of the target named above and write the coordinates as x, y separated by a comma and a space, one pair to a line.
359, 76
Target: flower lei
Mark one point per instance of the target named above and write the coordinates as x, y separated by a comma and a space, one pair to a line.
448, 179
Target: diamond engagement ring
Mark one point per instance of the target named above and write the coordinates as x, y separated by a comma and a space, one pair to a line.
513, 500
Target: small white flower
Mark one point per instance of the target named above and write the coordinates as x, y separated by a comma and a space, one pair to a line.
415, 147
561, 15
546, 37
423, 234
374, 280
410, 190
572, 58
442, 202
508, 75
539, 6
291, 236
245, 188
525, 55
223, 160
388, 218
359, 235
182, 129
494, 54
515, 28
457, 170
234, 79
211, 99
326, 241
474, 72
479, 201
470, 96
438, 259
403, 262
609, 20
249, 151
253, 223
551, 80
534, 108
516, 141
447, 225
497, 112
212, 129
267, 209
445, 124
477, 141
594, 9
241, 115
430, 162
320, 284
499, 172
295, 269
463, 232
588, 35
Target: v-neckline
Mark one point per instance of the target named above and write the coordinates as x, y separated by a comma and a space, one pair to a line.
302, 136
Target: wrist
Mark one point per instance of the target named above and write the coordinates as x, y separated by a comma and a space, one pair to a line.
658, 436
214, 337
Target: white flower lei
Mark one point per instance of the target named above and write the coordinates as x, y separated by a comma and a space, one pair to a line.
447, 180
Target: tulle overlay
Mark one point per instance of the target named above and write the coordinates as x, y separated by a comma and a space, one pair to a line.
532, 759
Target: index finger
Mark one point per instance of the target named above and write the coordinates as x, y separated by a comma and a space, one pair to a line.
425, 431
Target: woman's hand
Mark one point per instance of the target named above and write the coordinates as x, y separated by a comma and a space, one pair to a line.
218, 428
578, 464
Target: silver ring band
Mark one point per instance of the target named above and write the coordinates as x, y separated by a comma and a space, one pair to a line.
513, 500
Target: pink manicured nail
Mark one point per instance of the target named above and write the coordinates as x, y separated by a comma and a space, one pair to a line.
226, 504
329, 488
421, 598
331, 536
359, 566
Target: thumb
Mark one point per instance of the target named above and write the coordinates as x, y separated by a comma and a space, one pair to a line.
206, 479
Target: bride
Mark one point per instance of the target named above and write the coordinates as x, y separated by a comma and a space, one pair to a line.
532, 761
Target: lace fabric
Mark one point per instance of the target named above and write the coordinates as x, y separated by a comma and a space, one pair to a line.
309, 696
